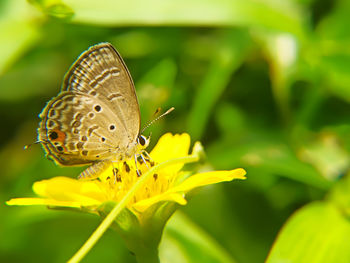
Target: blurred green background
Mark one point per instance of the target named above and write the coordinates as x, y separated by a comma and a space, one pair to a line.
263, 84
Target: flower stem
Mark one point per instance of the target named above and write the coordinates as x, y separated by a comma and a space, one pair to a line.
96, 235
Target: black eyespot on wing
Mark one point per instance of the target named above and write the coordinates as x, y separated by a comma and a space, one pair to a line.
111, 127
53, 135
97, 108
60, 148
103, 139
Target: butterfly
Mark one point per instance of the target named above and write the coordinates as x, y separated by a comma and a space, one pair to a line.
95, 118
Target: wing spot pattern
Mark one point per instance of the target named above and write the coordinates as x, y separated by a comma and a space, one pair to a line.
114, 96
52, 113
80, 145
51, 124
107, 73
91, 129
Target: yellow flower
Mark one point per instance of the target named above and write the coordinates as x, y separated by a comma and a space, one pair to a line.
169, 184
142, 219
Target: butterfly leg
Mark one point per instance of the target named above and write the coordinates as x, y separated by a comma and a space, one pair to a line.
115, 173
137, 169
150, 160
144, 160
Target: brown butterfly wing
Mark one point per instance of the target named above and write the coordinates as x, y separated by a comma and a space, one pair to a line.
78, 129
100, 78
101, 72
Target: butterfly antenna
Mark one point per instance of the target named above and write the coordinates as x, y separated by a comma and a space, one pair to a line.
156, 119
29, 145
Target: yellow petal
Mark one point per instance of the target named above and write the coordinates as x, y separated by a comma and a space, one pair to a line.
72, 190
171, 146
214, 177
142, 205
46, 202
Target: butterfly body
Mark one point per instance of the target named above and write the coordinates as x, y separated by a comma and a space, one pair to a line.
95, 118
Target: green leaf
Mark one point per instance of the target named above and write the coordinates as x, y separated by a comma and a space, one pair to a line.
41, 73
230, 120
326, 154
154, 90
340, 195
153, 87
183, 12
60, 11
183, 241
226, 60
18, 31
316, 233
265, 154
329, 51
337, 67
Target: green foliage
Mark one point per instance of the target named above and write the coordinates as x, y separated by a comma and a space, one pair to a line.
316, 233
264, 85
183, 241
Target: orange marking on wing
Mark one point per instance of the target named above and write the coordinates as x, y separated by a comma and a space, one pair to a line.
57, 136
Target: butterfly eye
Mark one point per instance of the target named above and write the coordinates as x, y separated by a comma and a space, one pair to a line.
141, 140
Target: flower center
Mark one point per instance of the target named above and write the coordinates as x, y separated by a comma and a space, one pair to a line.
118, 180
